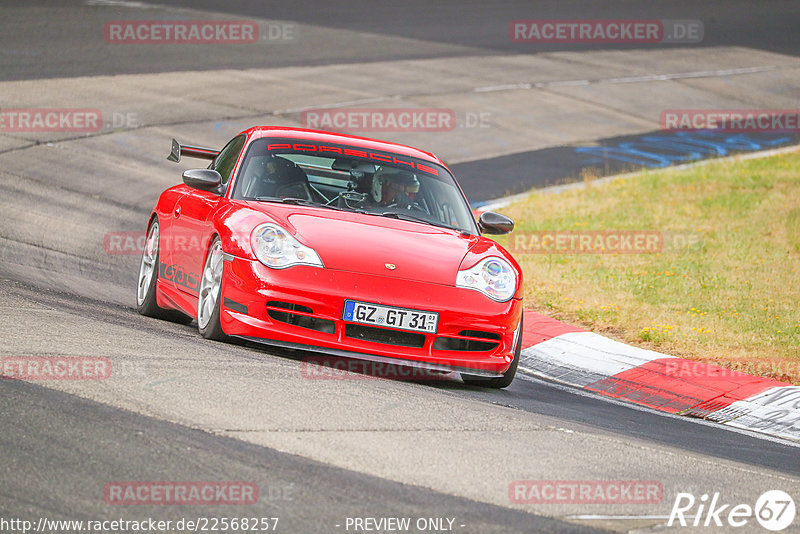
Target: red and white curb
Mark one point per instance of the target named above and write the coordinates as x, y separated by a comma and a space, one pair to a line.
566, 354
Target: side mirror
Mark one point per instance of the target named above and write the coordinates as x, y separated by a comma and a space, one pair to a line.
494, 223
204, 179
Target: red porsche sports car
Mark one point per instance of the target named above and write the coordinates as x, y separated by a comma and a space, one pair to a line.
338, 244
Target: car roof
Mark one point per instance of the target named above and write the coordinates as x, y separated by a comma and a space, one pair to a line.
332, 137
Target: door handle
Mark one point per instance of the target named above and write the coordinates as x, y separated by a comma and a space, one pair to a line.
177, 211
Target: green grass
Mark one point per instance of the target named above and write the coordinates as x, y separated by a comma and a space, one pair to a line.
725, 289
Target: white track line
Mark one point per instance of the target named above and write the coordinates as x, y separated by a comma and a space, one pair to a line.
628, 79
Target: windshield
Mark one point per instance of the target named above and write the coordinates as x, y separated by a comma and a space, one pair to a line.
352, 179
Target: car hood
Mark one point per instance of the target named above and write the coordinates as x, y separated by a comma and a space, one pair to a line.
377, 245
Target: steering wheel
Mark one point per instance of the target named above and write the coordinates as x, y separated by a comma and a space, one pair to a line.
412, 207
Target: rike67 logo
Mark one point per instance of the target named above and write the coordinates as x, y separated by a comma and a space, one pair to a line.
774, 510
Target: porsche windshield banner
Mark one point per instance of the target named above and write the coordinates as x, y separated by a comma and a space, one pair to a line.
331, 150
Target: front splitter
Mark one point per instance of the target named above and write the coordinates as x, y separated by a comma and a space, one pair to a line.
373, 357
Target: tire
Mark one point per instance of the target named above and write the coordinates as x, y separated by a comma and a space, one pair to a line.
148, 273
508, 377
208, 301
146, 301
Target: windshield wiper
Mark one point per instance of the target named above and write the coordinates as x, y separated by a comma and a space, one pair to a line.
297, 202
408, 217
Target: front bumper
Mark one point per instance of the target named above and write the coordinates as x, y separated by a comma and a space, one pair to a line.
302, 307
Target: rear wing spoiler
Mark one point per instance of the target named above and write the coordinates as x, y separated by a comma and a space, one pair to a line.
179, 150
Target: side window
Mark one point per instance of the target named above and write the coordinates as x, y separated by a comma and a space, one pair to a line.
227, 158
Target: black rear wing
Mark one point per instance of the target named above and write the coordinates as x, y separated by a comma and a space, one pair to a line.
179, 150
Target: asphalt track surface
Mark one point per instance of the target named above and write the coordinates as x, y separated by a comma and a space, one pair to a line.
305, 496
564, 164
458, 28
180, 408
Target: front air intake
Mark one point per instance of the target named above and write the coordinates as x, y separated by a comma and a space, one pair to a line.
299, 315
468, 341
386, 336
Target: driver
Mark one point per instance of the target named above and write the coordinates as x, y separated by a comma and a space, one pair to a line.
394, 187
279, 177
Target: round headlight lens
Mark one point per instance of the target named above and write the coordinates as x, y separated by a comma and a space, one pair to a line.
493, 277
276, 248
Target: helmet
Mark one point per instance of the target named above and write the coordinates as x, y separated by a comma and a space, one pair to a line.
394, 186
278, 177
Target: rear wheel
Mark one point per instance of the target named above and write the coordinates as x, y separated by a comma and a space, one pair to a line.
208, 302
148, 273
146, 301
508, 377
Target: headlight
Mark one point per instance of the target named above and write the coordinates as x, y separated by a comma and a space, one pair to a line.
492, 276
275, 248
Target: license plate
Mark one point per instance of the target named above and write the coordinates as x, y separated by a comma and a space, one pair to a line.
400, 318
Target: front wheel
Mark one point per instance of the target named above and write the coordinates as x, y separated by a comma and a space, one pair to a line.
508, 377
208, 302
